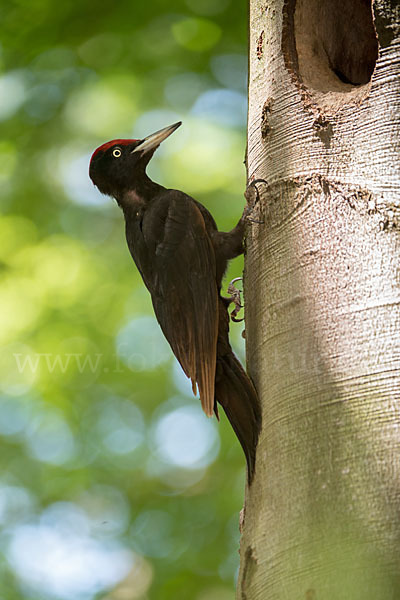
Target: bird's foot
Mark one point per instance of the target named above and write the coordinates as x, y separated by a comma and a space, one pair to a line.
252, 196
235, 297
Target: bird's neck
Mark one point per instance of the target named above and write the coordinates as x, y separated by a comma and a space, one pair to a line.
139, 194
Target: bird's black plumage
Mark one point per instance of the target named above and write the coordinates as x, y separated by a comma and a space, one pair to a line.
182, 257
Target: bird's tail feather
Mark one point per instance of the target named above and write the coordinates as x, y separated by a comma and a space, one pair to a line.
238, 397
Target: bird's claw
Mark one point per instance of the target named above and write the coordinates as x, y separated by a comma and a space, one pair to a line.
235, 297
252, 196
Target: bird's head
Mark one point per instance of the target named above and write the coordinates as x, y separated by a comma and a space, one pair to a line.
116, 166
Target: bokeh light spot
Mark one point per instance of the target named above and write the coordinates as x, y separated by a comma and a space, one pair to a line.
210, 148
14, 414
49, 439
120, 426
12, 93
141, 344
196, 34
65, 517
153, 120
185, 438
102, 109
224, 107
182, 90
231, 70
42, 101
67, 564
182, 383
20, 305
74, 176
16, 504
136, 583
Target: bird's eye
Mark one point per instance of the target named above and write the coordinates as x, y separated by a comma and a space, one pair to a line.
117, 152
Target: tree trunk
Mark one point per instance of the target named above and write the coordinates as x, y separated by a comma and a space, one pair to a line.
322, 516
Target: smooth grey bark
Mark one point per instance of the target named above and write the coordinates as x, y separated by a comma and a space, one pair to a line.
322, 290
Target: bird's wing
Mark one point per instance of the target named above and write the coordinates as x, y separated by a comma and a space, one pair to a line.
183, 288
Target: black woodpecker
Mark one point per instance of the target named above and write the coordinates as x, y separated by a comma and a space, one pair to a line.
182, 258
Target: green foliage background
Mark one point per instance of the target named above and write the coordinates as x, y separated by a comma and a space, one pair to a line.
113, 484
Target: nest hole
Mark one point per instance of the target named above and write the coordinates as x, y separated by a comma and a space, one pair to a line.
331, 45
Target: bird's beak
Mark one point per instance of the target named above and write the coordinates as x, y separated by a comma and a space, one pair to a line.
155, 139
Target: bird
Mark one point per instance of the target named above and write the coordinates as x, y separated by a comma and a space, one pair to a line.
182, 257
